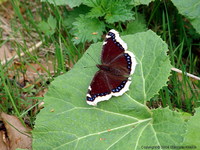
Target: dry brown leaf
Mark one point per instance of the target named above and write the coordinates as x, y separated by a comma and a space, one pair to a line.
32, 72
42, 92
3, 145
18, 135
70, 64
6, 7
5, 52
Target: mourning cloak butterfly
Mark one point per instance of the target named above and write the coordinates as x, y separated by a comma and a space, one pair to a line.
114, 75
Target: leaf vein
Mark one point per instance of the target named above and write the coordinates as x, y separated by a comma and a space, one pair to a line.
98, 133
136, 144
156, 136
119, 139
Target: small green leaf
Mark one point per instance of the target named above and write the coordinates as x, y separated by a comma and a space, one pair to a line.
124, 122
71, 3
44, 27
93, 3
29, 88
190, 9
137, 25
111, 10
71, 16
96, 12
118, 11
87, 29
52, 22
48, 28
192, 135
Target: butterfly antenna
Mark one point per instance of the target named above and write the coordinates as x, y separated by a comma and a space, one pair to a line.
88, 66
93, 60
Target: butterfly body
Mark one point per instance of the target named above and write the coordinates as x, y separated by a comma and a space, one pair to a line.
117, 71
114, 75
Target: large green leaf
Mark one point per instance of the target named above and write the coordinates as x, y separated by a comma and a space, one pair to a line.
140, 2
192, 136
190, 9
124, 122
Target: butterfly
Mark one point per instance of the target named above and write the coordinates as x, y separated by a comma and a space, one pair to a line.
114, 75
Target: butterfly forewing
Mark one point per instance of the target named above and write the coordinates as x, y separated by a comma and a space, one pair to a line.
110, 51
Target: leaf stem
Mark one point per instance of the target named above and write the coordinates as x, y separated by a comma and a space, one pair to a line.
187, 74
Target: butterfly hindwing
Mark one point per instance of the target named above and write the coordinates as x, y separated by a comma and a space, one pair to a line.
99, 89
104, 86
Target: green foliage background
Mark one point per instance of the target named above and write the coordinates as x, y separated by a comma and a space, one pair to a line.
104, 13
124, 122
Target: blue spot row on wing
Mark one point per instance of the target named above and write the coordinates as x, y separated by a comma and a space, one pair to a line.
111, 34
121, 86
114, 40
96, 95
117, 89
128, 59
